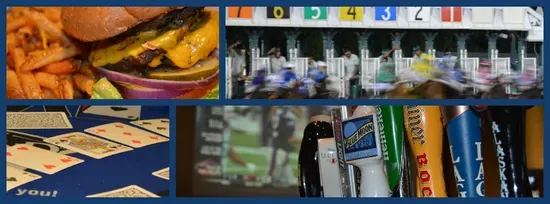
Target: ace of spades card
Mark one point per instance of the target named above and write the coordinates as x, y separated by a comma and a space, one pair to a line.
111, 113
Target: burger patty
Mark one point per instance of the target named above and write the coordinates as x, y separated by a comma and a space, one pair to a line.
187, 16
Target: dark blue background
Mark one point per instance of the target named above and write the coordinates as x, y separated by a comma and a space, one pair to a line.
222, 101
100, 175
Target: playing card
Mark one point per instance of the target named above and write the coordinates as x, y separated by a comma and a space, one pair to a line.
132, 191
88, 145
163, 173
15, 137
64, 109
16, 177
39, 159
126, 134
160, 126
126, 112
37, 120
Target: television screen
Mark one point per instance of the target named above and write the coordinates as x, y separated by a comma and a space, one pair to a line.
250, 149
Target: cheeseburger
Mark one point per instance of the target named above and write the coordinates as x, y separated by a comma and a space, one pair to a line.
150, 52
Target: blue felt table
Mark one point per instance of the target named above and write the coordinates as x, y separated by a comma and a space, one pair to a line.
100, 175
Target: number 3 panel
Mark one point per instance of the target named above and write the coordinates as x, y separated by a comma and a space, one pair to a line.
385, 13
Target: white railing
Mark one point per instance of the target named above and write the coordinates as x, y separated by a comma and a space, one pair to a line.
300, 62
370, 68
259, 62
502, 68
470, 67
228, 85
335, 72
400, 62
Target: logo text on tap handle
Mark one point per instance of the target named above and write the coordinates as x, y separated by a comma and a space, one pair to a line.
415, 123
359, 138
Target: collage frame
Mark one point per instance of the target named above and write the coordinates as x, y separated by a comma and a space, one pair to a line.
173, 103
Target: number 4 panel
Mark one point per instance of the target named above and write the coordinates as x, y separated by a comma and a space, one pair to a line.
351, 13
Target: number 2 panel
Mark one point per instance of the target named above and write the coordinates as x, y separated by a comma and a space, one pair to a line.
351, 13
419, 14
385, 13
278, 12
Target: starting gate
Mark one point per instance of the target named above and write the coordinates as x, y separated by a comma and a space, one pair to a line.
369, 70
300, 62
335, 71
228, 85
501, 67
259, 62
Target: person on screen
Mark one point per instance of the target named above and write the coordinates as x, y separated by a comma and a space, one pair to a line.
277, 60
238, 66
283, 125
351, 68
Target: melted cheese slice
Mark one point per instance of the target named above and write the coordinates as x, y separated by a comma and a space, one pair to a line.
183, 51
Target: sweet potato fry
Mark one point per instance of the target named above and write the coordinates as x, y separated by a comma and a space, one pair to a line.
15, 24
66, 89
50, 94
84, 83
46, 80
87, 69
30, 86
13, 87
11, 42
50, 56
63, 67
24, 33
18, 57
43, 23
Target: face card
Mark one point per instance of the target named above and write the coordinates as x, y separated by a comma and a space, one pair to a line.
132, 191
16, 177
37, 120
39, 159
163, 173
126, 134
160, 126
125, 112
88, 145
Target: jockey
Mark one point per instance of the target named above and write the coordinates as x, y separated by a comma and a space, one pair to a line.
288, 75
309, 82
422, 64
527, 79
448, 66
258, 80
484, 79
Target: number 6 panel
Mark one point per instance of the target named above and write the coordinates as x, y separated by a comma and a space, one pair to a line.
379, 17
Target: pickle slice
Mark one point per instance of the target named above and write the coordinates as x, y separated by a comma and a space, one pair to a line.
203, 69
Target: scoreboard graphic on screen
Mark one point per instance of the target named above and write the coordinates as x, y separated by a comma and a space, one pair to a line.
388, 17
